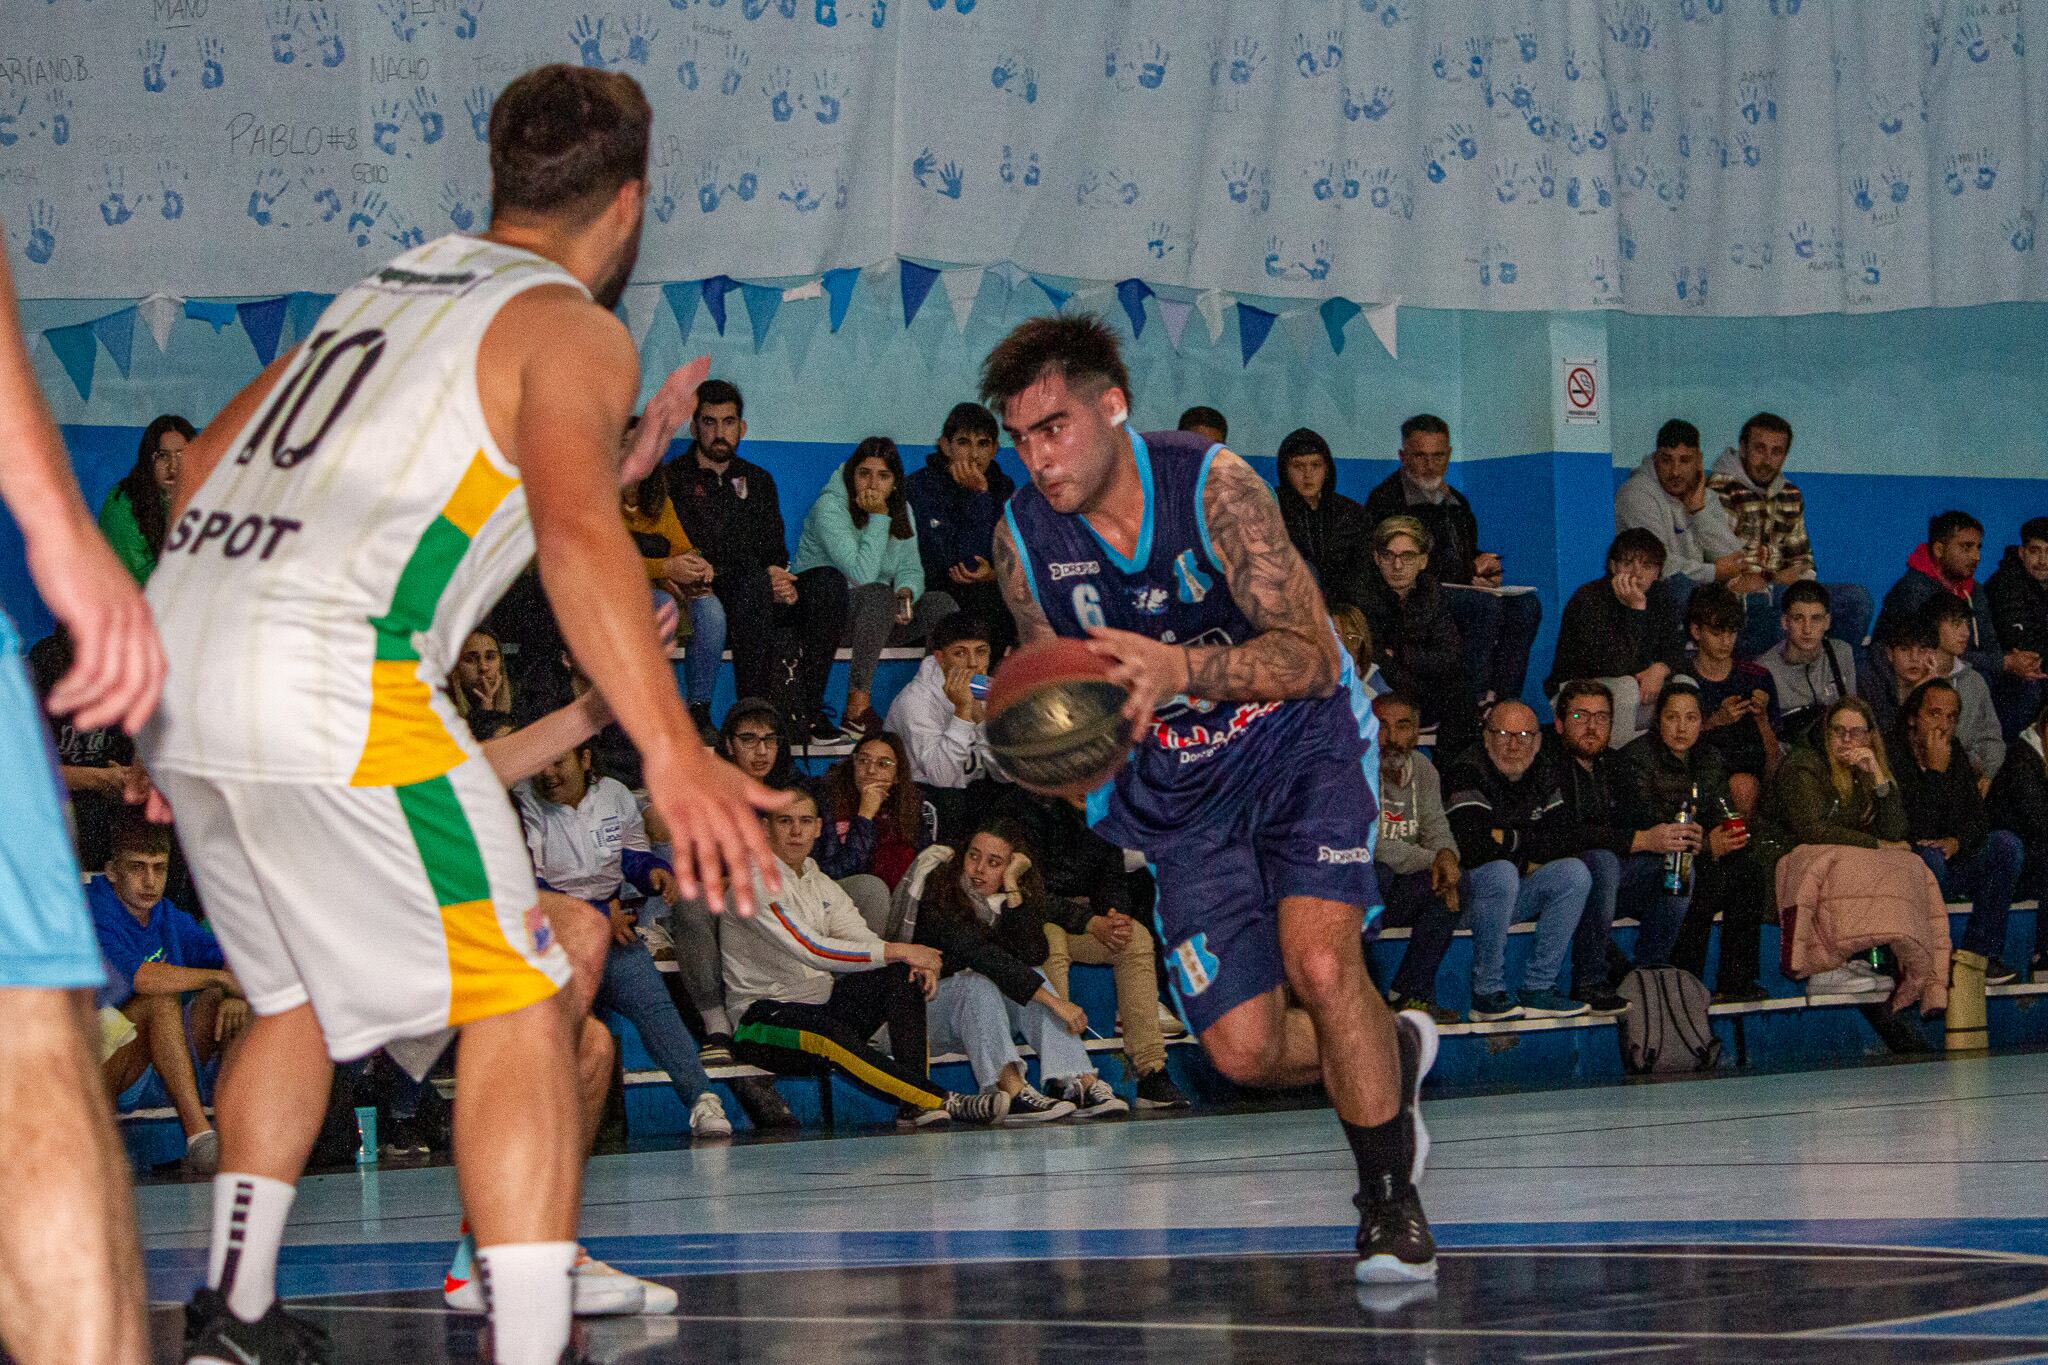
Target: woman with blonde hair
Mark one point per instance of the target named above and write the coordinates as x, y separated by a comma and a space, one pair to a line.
1840, 791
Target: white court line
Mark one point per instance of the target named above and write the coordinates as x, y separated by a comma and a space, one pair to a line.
1609, 1352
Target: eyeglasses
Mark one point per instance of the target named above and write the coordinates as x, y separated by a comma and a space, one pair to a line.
1513, 736
1849, 732
1401, 557
753, 739
874, 761
1590, 717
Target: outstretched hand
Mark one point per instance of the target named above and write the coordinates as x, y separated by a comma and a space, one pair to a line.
713, 812
671, 406
117, 670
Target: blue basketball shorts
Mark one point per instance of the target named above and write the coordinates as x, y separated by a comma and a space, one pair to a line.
46, 937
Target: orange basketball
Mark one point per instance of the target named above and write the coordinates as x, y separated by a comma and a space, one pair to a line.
1055, 720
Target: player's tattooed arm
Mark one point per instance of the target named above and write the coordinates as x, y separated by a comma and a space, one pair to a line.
1015, 580
1295, 652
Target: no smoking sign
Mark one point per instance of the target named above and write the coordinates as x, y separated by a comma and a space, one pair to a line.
1581, 391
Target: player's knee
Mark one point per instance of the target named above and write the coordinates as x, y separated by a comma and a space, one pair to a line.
595, 1047
1322, 975
1247, 1056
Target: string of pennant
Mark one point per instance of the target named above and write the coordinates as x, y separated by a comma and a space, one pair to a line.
269, 322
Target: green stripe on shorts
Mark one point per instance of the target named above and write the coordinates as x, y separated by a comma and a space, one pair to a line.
441, 831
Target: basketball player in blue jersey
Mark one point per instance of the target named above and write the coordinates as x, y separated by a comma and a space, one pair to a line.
1251, 789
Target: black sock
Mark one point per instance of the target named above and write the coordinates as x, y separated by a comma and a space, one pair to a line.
1385, 1153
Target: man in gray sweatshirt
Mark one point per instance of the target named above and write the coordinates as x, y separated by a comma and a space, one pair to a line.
1668, 497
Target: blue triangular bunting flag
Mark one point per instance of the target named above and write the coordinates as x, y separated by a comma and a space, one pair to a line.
917, 286
208, 311
116, 332
1252, 326
682, 301
263, 320
839, 288
1337, 314
301, 311
1132, 295
1058, 296
715, 290
762, 301
77, 349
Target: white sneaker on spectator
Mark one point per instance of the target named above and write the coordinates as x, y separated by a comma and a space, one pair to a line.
1091, 1096
1851, 978
1029, 1105
202, 1154
707, 1118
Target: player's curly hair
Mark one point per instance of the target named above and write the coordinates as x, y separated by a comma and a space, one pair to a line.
1080, 349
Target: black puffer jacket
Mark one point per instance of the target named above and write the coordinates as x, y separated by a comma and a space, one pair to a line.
2019, 605
1416, 645
1334, 536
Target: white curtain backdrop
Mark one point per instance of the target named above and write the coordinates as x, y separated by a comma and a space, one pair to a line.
1662, 156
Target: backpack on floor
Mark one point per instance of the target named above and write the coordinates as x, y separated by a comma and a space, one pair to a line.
1666, 1027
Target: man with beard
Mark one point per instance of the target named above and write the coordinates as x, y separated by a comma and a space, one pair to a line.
338, 531
1667, 496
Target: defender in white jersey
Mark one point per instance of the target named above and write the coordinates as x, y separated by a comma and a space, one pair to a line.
337, 531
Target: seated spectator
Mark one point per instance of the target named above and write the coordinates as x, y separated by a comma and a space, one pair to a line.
1505, 807
1205, 421
1950, 826
136, 515
1978, 730
480, 682
1627, 863
1414, 640
1839, 791
1416, 862
1945, 564
750, 738
861, 525
1667, 496
810, 982
1328, 528
588, 840
986, 911
1623, 631
1090, 873
92, 764
876, 822
2019, 803
675, 567
1355, 634
1661, 771
1496, 630
172, 979
1767, 513
729, 508
940, 721
1740, 700
957, 498
2018, 590
1810, 670
1912, 654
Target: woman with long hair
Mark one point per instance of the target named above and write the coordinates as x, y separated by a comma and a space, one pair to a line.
674, 566
136, 515
875, 819
1840, 791
861, 526
480, 682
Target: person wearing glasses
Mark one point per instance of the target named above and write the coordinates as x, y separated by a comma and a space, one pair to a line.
1622, 629
1415, 643
1506, 807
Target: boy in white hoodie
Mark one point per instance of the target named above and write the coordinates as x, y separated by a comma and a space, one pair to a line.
941, 723
806, 978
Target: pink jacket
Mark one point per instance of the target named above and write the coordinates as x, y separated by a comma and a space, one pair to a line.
1838, 901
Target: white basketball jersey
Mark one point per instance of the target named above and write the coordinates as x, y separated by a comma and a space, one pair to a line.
314, 597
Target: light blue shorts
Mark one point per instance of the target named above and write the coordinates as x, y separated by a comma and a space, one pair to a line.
46, 937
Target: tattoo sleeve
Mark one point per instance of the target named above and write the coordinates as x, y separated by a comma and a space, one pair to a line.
1015, 581
1295, 652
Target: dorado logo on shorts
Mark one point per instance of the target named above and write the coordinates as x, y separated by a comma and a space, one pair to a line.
1341, 856
539, 930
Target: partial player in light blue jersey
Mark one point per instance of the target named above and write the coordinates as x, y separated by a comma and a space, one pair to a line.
1251, 790
70, 1271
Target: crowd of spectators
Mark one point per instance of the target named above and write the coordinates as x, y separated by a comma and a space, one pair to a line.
931, 905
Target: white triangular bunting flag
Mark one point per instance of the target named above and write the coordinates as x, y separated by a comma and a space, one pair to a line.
1012, 274
160, 313
963, 287
798, 292
1211, 304
643, 303
1305, 334
1381, 318
1174, 317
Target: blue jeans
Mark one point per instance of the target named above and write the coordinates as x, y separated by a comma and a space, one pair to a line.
1495, 636
1639, 880
632, 987
970, 1015
1554, 895
706, 648
1987, 875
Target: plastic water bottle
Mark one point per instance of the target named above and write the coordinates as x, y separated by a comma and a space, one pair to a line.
1678, 862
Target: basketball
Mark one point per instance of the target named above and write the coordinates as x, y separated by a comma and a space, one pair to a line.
1055, 720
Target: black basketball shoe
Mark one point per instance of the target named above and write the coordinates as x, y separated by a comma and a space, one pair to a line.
214, 1334
1394, 1241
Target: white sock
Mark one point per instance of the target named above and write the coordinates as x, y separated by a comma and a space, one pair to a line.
527, 1287
716, 1020
248, 1224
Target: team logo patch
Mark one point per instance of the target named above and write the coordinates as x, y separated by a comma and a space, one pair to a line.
1148, 601
1194, 584
539, 930
1195, 968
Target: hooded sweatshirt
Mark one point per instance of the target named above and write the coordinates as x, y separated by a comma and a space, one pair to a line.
1769, 521
1922, 583
1692, 540
945, 751
2019, 604
2019, 794
809, 935
865, 554
1413, 826
1334, 536
955, 525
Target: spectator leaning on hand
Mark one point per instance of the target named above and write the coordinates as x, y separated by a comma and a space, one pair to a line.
1667, 496
1622, 630
957, 498
942, 725
675, 567
2018, 590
